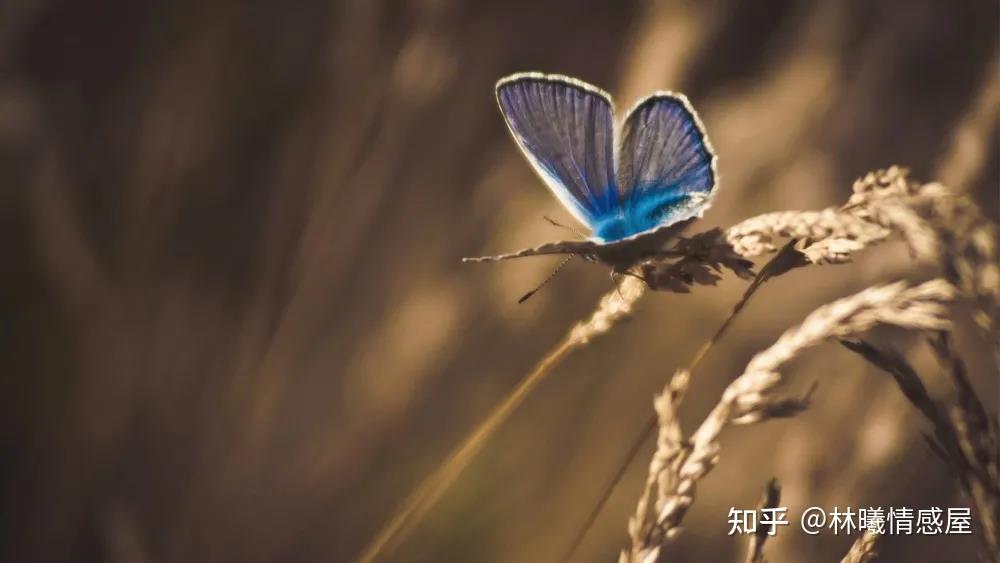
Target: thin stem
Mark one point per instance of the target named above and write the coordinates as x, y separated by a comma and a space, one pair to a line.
434, 486
613, 307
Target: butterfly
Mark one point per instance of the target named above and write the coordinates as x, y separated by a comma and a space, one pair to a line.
634, 188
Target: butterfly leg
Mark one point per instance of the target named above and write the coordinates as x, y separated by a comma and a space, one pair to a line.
635, 275
618, 287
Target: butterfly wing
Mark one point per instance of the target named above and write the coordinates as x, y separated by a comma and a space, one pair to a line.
566, 130
666, 166
581, 247
623, 252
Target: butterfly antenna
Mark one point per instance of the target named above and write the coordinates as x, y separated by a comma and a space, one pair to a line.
555, 223
528, 295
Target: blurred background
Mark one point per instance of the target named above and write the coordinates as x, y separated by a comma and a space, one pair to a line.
234, 322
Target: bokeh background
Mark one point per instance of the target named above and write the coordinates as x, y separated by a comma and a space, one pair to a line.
234, 322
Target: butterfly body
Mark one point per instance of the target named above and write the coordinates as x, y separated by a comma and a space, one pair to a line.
622, 253
634, 188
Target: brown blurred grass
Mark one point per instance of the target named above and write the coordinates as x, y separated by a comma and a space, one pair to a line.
236, 325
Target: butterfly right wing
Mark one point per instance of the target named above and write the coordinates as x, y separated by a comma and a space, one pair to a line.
565, 128
666, 166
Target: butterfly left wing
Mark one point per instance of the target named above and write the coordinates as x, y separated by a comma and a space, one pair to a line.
666, 165
565, 129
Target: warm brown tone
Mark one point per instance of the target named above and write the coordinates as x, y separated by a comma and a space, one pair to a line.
236, 328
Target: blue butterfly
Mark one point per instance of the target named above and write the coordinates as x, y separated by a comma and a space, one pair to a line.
633, 192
